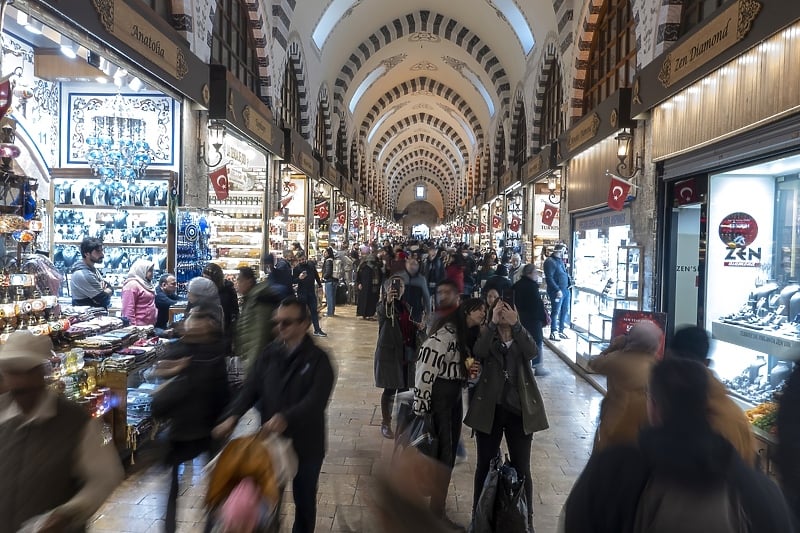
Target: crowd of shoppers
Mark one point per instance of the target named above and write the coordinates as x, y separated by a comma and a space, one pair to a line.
672, 451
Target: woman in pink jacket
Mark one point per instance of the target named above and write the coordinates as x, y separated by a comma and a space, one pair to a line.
138, 294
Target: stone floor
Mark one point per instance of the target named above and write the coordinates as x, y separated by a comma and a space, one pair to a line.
357, 450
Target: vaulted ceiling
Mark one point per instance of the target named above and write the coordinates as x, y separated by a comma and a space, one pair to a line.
422, 85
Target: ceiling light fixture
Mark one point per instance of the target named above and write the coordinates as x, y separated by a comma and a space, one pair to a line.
68, 48
34, 26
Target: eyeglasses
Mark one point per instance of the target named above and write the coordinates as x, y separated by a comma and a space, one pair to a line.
288, 322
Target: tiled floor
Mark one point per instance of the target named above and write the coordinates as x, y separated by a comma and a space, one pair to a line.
357, 450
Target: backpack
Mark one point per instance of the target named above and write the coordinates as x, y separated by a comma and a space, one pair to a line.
666, 506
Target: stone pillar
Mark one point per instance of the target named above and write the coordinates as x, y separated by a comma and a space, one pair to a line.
194, 173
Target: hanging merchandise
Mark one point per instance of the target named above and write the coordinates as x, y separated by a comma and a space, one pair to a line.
192, 247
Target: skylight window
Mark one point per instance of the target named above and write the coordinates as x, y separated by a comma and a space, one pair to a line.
476, 81
365, 85
332, 15
378, 124
518, 23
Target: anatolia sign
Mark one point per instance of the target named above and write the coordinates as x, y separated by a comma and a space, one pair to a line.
133, 29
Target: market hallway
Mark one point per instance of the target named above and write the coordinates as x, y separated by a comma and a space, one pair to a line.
356, 450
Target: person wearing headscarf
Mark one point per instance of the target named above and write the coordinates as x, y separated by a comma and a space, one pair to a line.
626, 364
203, 291
139, 295
368, 282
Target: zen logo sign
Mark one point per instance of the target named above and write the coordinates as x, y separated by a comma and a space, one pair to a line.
739, 231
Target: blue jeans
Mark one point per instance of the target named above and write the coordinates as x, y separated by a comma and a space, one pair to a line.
310, 299
304, 491
559, 311
330, 296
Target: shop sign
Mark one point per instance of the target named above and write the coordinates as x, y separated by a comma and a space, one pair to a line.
738, 232
507, 179
119, 19
585, 131
533, 167
722, 32
624, 319
257, 124
602, 221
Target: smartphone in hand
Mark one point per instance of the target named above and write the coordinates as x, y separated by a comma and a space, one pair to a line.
508, 297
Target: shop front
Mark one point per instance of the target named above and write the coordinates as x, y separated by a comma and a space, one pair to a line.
325, 195
607, 251
511, 241
241, 140
297, 211
730, 181
93, 145
543, 192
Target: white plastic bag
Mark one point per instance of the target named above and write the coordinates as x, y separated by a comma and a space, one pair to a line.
284, 458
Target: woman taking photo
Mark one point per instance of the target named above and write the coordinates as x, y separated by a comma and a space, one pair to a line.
506, 400
396, 349
441, 375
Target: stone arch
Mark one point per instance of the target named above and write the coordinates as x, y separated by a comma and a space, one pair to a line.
282, 11
419, 138
397, 187
423, 84
323, 106
586, 30
436, 24
518, 118
549, 60
500, 149
260, 29
424, 118
428, 156
295, 57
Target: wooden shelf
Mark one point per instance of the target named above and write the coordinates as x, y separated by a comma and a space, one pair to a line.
119, 244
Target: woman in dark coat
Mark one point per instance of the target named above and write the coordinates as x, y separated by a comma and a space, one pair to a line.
396, 349
196, 397
228, 299
532, 313
368, 283
506, 401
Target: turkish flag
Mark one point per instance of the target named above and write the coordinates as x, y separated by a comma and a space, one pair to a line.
483, 227
515, 223
322, 211
496, 222
686, 192
219, 179
618, 191
356, 222
549, 213
340, 217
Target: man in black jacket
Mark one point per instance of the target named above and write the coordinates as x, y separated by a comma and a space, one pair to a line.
291, 382
532, 314
306, 277
166, 297
681, 477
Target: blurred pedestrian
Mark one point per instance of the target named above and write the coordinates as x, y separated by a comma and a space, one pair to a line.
196, 394
291, 383
254, 329
227, 298
678, 475
53, 463
624, 409
532, 313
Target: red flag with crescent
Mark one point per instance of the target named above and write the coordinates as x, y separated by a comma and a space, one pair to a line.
549, 213
497, 222
340, 217
483, 227
356, 222
219, 180
618, 191
515, 223
686, 192
322, 211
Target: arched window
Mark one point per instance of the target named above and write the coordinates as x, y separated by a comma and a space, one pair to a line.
233, 43
521, 140
696, 11
612, 56
290, 95
341, 144
551, 124
500, 162
320, 142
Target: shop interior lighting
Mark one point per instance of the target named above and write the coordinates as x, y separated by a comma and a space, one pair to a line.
68, 48
34, 26
624, 140
555, 187
101, 79
135, 84
216, 136
22, 18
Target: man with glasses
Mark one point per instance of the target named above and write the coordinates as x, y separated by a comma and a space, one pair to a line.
291, 383
86, 285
